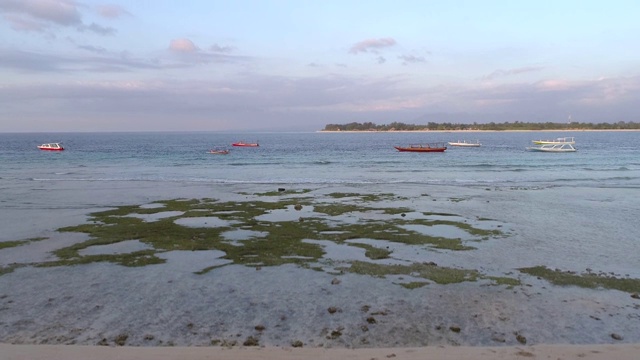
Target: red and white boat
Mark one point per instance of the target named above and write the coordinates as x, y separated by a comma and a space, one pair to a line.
244, 144
51, 147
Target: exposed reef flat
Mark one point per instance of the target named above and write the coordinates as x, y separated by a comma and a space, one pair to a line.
335, 267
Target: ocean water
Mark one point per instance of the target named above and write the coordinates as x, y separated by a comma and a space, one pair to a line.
603, 159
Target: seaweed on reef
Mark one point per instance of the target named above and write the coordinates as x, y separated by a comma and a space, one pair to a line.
586, 280
281, 241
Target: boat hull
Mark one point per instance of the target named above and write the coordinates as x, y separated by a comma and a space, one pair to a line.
245, 144
550, 150
556, 148
464, 144
420, 149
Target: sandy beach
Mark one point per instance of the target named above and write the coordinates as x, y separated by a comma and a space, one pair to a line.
556, 352
199, 304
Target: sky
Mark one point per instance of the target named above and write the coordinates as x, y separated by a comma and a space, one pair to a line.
298, 65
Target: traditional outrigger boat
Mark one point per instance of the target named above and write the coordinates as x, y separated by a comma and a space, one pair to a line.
465, 143
244, 144
430, 147
51, 147
560, 140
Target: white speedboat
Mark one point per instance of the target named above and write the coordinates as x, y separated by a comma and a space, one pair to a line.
465, 143
564, 147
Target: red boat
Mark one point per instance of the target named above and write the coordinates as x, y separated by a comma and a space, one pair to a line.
244, 144
432, 147
51, 147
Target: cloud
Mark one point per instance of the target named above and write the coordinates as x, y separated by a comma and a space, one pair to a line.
282, 101
61, 12
40, 15
512, 72
411, 59
381, 60
189, 53
372, 45
20, 23
34, 62
112, 11
221, 49
94, 49
100, 30
182, 46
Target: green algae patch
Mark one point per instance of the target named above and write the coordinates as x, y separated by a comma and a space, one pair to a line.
283, 224
585, 280
139, 258
7, 269
437, 274
364, 197
16, 243
336, 209
10, 244
372, 252
414, 284
472, 230
428, 271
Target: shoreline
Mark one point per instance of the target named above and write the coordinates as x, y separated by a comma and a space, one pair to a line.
565, 352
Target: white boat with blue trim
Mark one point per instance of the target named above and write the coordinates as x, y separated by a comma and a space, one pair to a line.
564, 147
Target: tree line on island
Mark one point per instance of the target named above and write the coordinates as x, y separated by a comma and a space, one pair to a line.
398, 126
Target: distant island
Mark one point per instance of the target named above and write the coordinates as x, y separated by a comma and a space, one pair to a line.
515, 126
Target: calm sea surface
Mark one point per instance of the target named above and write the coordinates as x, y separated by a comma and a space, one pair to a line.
603, 159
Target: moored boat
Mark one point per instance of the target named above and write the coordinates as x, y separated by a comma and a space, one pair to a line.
51, 147
560, 140
564, 147
219, 151
244, 144
465, 143
430, 147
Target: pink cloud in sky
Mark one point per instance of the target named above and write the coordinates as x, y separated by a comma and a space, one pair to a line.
182, 46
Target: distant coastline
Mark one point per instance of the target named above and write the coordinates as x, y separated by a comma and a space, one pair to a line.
475, 127
473, 131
